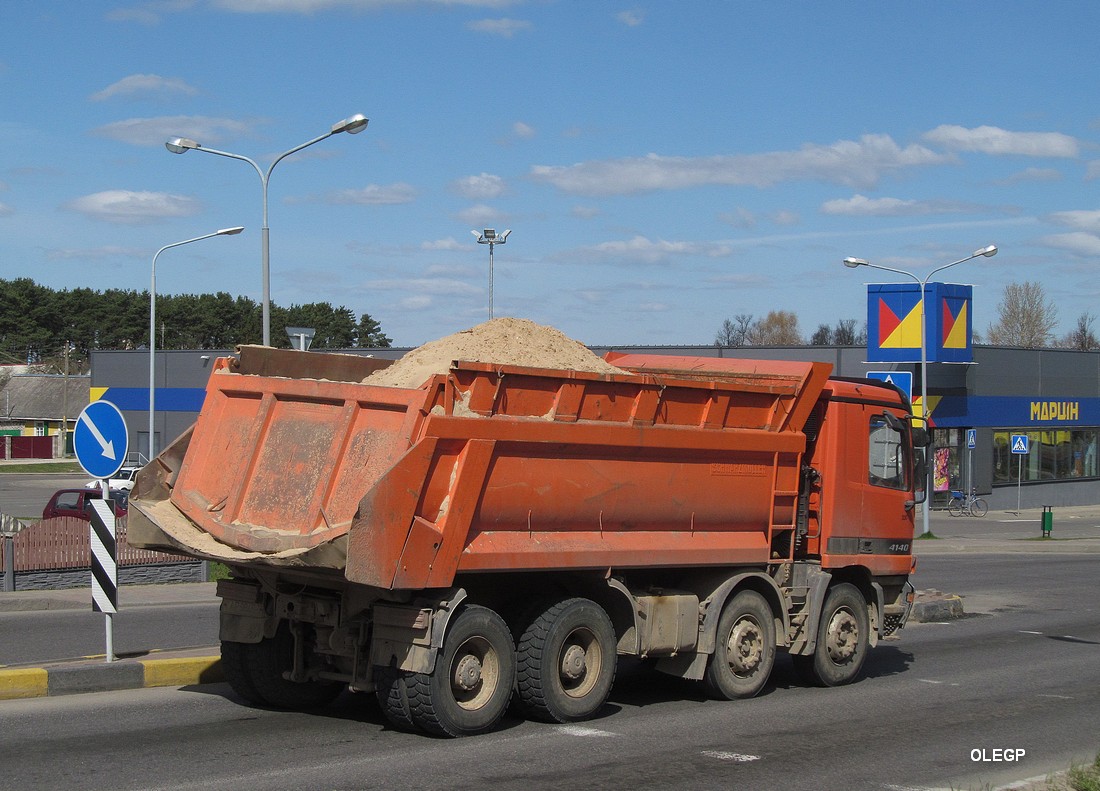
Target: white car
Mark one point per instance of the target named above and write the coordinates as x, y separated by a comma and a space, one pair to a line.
123, 480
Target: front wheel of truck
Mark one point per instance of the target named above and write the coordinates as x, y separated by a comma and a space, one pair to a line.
257, 672
842, 640
469, 690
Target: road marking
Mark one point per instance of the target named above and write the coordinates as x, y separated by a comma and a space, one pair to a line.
107, 448
738, 758
1056, 697
928, 681
1027, 631
580, 730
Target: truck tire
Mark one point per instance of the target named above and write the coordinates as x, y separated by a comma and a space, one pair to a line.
389, 688
744, 648
842, 639
259, 668
234, 664
565, 661
471, 686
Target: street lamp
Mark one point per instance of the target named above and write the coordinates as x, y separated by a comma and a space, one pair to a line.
853, 263
153, 323
490, 237
181, 145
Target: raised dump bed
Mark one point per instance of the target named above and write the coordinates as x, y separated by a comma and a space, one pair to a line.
295, 461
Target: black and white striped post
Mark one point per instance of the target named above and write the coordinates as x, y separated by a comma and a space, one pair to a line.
101, 514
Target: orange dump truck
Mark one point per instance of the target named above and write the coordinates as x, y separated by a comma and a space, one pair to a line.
506, 532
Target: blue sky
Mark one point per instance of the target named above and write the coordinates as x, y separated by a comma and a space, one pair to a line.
662, 166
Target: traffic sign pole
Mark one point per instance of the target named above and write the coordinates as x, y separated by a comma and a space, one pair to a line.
101, 441
1021, 446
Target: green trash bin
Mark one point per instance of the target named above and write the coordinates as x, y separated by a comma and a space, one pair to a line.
1048, 520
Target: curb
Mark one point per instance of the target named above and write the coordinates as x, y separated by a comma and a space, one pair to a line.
73, 679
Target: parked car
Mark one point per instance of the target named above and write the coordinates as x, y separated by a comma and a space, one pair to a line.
123, 480
71, 502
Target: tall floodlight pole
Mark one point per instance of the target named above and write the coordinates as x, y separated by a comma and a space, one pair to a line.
153, 325
490, 237
852, 263
181, 145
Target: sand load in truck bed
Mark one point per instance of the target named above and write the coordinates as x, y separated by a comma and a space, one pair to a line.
485, 466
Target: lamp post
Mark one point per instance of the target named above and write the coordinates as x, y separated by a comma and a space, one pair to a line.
181, 145
153, 324
853, 263
490, 237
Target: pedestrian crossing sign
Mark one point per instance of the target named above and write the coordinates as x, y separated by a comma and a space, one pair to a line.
1019, 444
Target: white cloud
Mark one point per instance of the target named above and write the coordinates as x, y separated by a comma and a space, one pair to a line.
785, 218
651, 307
134, 208
861, 206
108, 251
6, 210
523, 131
450, 244
427, 285
505, 28
371, 195
738, 218
1082, 220
482, 187
650, 251
417, 302
152, 11
1092, 171
138, 84
480, 216
154, 131
585, 212
1077, 242
997, 141
854, 163
1030, 175
631, 18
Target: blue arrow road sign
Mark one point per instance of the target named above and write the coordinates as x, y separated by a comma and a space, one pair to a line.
1019, 444
100, 439
903, 380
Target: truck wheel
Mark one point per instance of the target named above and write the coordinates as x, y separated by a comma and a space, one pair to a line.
566, 659
234, 667
842, 637
471, 686
744, 648
260, 668
389, 688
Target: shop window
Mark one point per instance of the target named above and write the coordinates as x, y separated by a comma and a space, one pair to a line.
1055, 455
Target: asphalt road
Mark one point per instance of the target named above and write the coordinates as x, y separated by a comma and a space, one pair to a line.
24, 495
50, 635
1021, 672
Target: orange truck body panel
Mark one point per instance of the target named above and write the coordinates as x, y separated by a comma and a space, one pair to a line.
683, 462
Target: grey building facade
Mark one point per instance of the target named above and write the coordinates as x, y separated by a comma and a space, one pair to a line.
1049, 396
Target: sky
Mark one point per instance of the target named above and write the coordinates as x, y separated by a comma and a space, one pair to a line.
662, 166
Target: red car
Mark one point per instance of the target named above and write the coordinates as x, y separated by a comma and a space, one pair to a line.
71, 502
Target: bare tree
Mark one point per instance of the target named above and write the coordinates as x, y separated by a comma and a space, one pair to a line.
845, 333
1081, 337
778, 328
736, 332
823, 336
1025, 317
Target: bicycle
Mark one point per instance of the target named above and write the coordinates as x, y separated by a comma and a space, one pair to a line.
967, 504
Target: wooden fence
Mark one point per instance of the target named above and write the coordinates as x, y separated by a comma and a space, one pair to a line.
64, 543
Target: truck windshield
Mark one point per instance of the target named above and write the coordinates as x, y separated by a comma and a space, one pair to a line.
886, 455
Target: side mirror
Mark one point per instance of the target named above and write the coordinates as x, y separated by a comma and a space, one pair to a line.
921, 437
